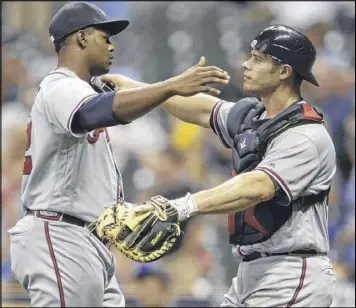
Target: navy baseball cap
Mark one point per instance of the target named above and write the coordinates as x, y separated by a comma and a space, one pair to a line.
75, 16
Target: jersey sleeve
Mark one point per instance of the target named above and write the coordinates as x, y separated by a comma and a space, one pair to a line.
293, 162
218, 122
63, 100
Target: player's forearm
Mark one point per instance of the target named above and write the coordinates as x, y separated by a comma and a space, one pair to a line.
195, 109
129, 83
130, 104
236, 194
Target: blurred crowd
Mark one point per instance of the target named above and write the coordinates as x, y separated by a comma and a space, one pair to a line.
158, 154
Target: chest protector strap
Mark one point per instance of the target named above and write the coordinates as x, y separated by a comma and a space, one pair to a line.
250, 134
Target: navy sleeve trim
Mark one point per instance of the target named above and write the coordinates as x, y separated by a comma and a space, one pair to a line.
211, 121
281, 183
96, 113
214, 122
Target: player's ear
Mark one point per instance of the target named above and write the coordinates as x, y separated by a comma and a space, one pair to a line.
285, 71
82, 39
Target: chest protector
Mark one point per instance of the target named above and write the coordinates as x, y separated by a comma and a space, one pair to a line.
250, 134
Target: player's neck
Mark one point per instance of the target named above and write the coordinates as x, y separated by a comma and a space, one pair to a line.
278, 100
76, 65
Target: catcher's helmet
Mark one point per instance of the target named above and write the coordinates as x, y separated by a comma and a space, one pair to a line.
288, 46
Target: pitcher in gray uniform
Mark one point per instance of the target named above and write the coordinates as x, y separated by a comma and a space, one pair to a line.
69, 170
283, 161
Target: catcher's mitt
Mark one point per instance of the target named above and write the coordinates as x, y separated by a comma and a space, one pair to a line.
143, 237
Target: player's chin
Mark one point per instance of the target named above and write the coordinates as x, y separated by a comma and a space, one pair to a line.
248, 88
98, 71
106, 67
105, 70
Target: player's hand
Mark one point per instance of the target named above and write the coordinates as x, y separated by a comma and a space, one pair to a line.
186, 207
120, 82
197, 78
143, 237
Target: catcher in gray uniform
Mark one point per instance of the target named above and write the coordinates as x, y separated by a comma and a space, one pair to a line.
283, 161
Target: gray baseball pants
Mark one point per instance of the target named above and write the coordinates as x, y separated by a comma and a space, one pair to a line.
283, 281
63, 265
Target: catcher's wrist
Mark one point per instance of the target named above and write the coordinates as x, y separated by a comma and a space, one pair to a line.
186, 207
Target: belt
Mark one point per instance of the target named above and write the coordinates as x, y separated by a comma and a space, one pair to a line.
257, 255
64, 218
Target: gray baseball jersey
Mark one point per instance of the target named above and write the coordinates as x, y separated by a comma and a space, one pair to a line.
71, 173
67, 172
302, 161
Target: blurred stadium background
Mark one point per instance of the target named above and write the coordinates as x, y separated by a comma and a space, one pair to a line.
159, 154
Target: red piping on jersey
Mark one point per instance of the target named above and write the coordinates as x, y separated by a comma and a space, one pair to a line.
96, 135
27, 165
301, 281
278, 178
107, 135
55, 265
240, 252
216, 111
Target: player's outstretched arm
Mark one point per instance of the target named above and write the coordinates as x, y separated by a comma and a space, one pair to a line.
156, 221
195, 109
234, 195
131, 104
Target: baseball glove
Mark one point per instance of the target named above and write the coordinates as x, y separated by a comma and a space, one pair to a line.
145, 236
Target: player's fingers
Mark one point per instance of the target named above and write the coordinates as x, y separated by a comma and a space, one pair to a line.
207, 89
109, 79
125, 203
212, 68
114, 85
106, 78
218, 74
201, 62
215, 80
143, 208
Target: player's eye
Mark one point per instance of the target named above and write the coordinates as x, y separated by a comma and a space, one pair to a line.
108, 40
257, 59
